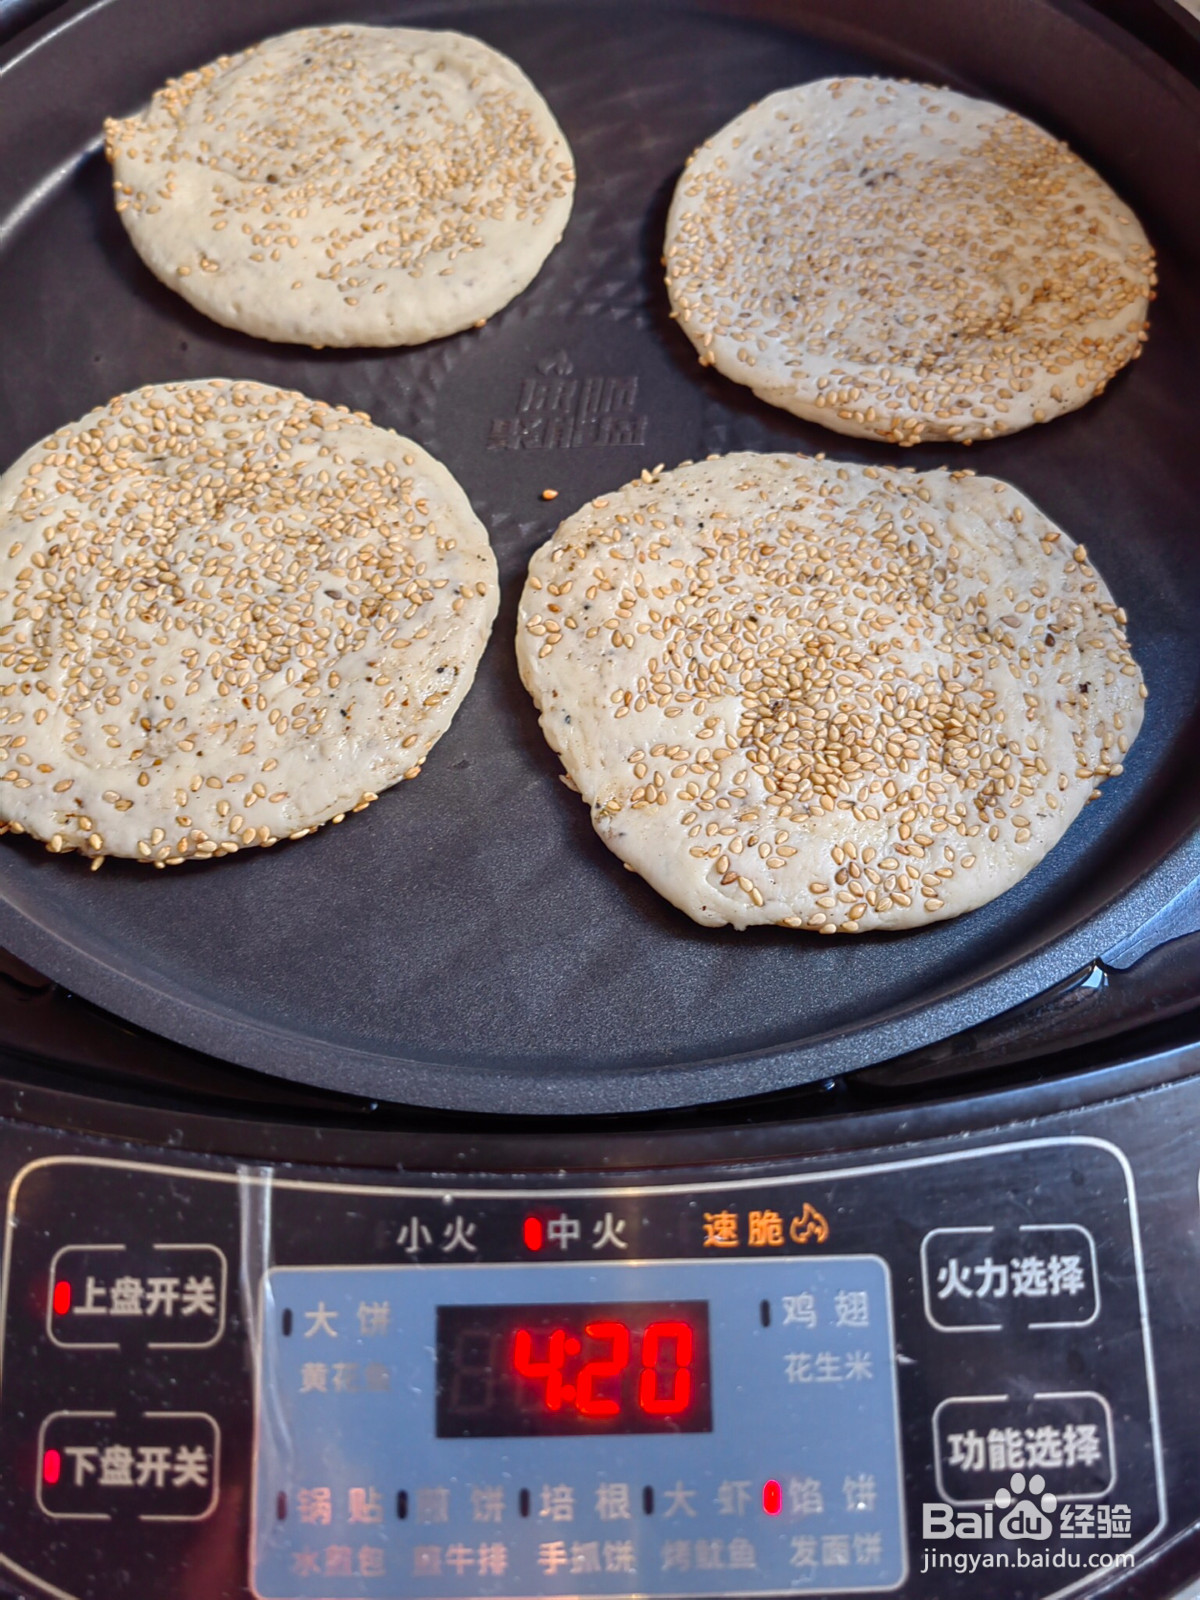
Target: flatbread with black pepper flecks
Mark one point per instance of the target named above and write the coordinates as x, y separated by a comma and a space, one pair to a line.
346, 186
827, 696
904, 262
228, 613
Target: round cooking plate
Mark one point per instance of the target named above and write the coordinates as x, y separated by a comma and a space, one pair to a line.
468, 942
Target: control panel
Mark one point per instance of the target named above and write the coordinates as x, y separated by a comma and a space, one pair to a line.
726, 1413
893, 1377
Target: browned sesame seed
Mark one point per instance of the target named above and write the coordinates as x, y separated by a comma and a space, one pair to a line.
820, 682
791, 263
255, 559
381, 169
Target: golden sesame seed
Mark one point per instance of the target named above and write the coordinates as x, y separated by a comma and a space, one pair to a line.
381, 168
790, 264
207, 599
864, 732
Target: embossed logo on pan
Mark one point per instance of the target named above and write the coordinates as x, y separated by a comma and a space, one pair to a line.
558, 410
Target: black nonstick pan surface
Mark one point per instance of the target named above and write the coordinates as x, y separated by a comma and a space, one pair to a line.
468, 942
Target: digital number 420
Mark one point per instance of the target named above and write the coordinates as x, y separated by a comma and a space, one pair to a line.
663, 1386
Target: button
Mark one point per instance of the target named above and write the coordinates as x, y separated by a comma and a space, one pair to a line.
981, 1440
993, 1279
114, 1297
160, 1466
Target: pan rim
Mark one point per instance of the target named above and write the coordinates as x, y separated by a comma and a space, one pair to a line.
232, 1037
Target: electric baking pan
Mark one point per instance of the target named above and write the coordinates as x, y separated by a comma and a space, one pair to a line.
468, 942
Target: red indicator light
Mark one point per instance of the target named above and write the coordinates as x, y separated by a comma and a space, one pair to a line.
772, 1498
62, 1298
51, 1466
533, 1233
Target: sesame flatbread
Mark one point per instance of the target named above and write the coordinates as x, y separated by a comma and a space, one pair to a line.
903, 262
228, 613
346, 186
827, 696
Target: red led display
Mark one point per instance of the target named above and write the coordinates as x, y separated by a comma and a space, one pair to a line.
62, 1298
520, 1370
51, 1466
664, 1382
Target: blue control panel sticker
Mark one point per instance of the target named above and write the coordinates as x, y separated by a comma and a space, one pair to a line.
657, 1428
